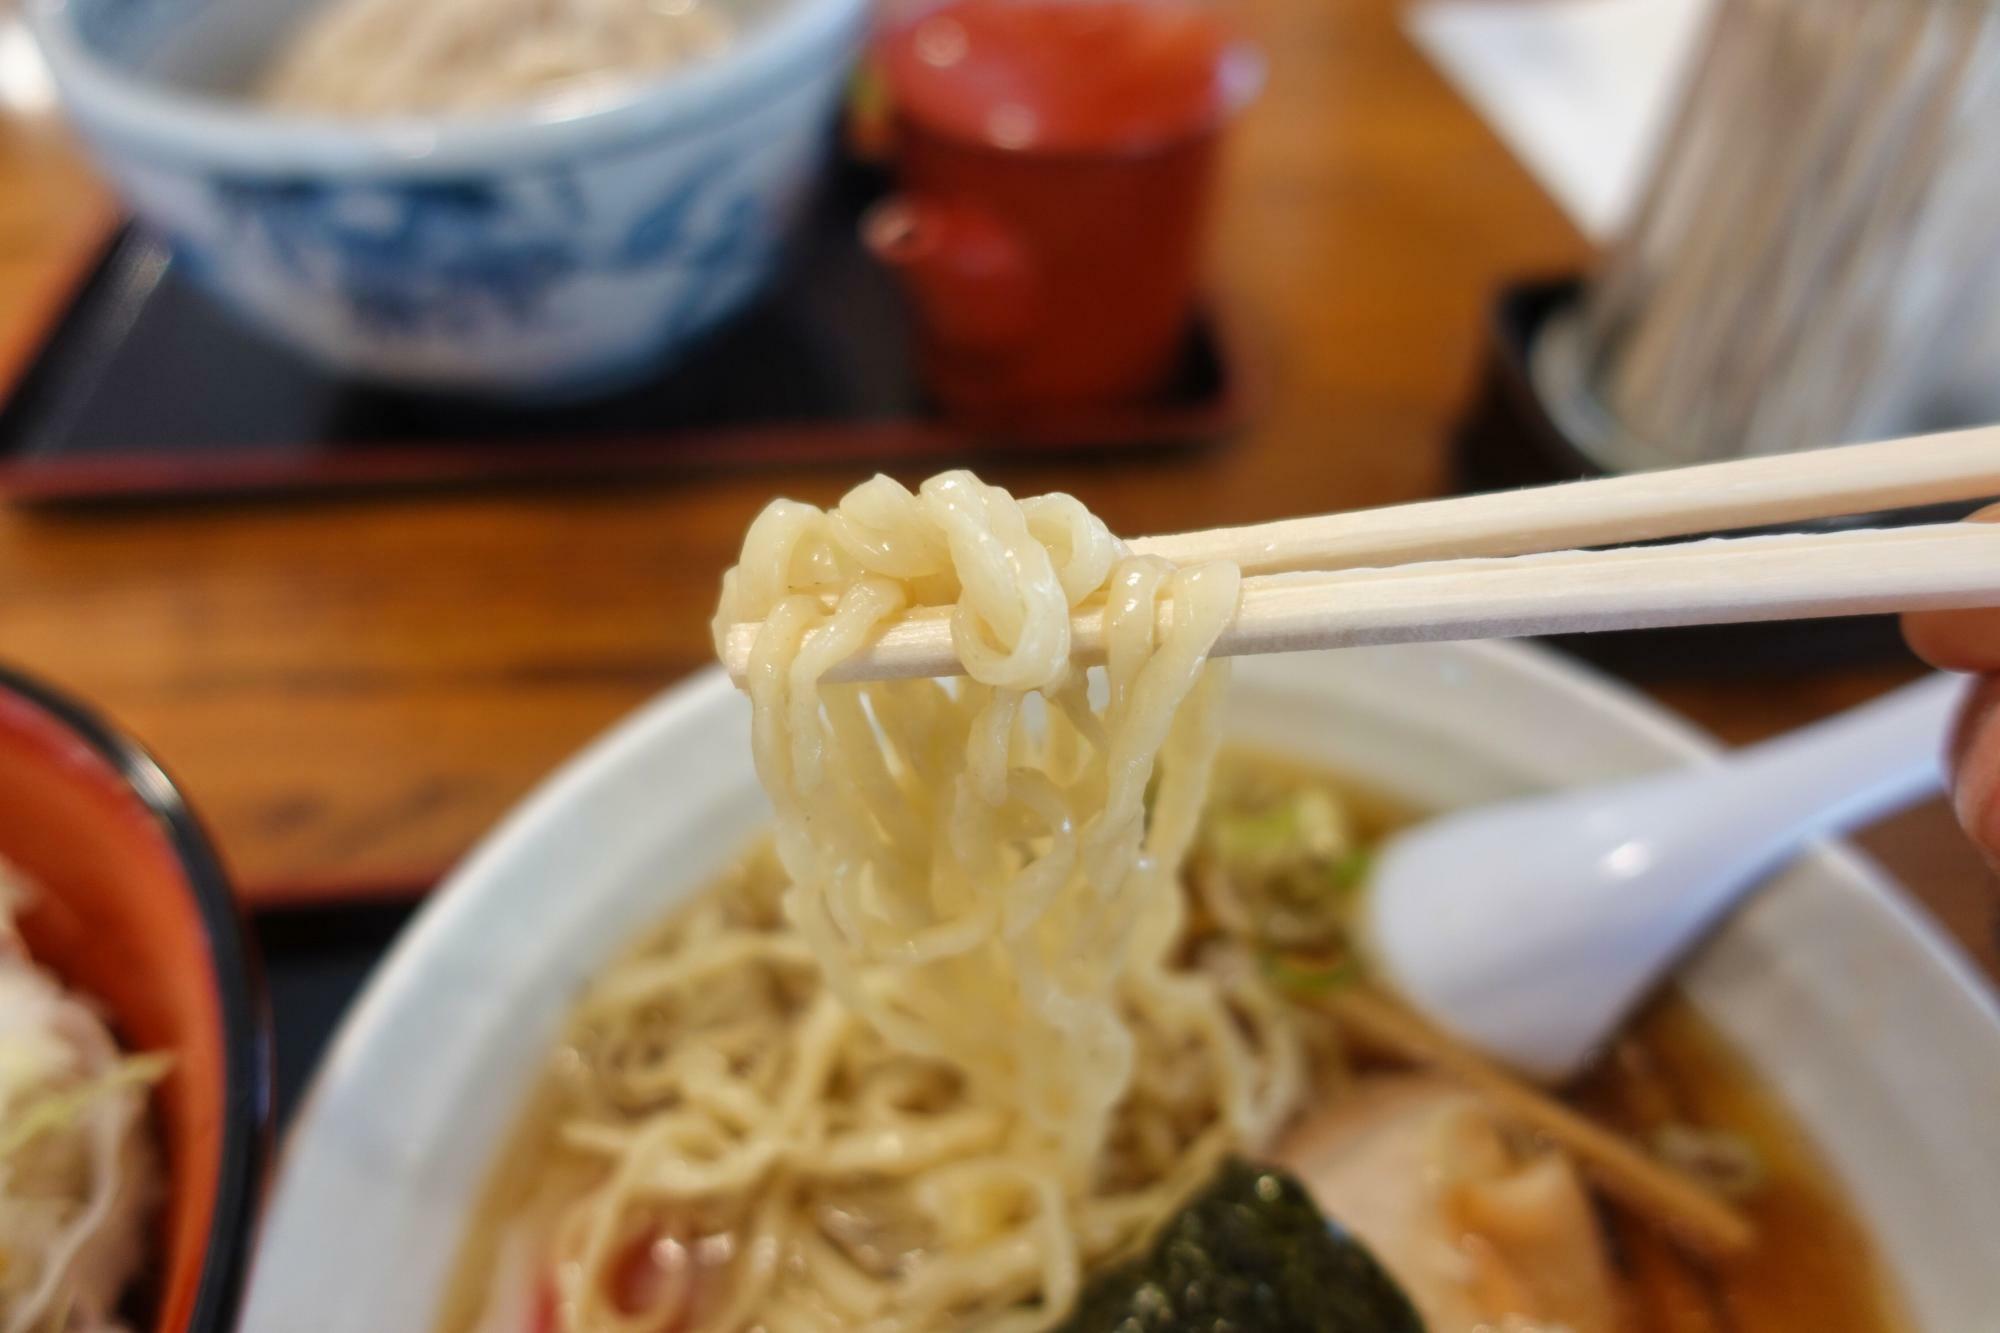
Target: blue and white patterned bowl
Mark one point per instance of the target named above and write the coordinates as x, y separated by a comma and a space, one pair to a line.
546, 250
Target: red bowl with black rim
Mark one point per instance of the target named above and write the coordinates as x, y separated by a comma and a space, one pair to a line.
131, 907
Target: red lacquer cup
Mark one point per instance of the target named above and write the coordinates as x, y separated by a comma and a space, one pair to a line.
1055, 159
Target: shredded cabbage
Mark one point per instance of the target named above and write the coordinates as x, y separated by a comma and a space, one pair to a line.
77, 1169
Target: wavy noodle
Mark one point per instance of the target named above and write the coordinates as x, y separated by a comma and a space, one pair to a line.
946, 1057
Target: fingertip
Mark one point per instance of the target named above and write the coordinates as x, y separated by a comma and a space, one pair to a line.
1955, 640
1975, 762
1925, 635
1958, 640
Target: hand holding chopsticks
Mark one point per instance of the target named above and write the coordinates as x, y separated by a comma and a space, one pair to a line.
1494, 565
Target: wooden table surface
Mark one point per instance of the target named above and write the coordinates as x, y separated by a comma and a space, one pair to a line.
352, 690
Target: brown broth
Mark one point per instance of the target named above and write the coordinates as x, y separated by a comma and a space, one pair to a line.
1814, 1266
532, 1168
1241, 771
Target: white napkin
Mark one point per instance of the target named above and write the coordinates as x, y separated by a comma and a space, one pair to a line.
1581, 90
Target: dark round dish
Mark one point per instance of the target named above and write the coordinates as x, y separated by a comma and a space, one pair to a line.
133, 909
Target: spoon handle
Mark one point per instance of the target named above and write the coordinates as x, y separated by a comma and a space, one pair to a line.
1849, 769
1531, 928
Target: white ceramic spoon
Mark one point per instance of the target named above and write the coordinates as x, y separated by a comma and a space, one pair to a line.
1530, 928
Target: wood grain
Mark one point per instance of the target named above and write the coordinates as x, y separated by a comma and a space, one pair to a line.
353, 691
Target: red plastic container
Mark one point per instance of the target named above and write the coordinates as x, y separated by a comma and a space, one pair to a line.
1055, 160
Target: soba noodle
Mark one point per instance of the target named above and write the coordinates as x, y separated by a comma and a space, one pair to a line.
950, 1059
403, 57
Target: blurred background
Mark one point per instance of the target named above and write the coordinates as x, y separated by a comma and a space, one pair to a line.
378, 408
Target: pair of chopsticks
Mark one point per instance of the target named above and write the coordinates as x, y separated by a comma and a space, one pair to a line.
1509, 563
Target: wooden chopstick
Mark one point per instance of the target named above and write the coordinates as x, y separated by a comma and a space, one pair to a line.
1717, 581
1714, 497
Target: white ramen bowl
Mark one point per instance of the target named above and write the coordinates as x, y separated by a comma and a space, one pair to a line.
1877, 1034
567, 245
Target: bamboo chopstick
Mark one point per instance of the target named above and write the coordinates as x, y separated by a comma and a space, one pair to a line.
1714, 497
1717, 581
1711, 1224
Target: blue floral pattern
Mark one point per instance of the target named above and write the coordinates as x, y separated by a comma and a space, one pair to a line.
482, 264
453, 256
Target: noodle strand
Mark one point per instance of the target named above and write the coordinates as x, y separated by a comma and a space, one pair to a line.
944, 1058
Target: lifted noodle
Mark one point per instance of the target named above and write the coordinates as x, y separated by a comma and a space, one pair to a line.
949, 1060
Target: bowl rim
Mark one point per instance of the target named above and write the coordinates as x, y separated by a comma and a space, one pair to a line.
215, 132
246, 1094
